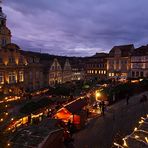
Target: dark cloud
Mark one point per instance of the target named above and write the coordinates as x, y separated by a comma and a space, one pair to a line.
77, 27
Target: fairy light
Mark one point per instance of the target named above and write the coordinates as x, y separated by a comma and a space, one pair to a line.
124, 143
136, 137
118, 145
146, 139
135, 129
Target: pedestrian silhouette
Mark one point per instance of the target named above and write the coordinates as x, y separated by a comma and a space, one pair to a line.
127, 99
103, 107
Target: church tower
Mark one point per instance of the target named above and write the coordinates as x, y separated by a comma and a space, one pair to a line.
5, 33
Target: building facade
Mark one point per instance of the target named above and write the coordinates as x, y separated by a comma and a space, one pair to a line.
96, 66
139, 63
119, 61
25, 71
55, 72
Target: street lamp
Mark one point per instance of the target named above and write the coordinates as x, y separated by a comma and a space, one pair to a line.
98, 95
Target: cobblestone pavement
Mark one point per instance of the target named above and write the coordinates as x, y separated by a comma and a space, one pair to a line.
119, 121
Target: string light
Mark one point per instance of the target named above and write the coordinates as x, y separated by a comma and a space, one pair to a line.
136, 137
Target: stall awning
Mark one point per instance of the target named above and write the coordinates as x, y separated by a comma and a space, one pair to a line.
76, 106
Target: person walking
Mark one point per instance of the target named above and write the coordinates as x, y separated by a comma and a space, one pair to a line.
103, 107
127, 99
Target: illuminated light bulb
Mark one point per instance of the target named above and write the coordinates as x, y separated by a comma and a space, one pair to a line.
142, 118
6, 113
8, 144
146, 139
124, 142
12, 119
135, 129
140, 122
2, 120
116, 144
136, 136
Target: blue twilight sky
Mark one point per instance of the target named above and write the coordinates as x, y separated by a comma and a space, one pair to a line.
76, 27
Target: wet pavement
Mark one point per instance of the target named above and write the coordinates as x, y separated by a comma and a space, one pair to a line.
119, 121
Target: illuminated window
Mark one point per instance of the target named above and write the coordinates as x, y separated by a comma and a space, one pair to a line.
95, 71
92, 71
1, 78
21, 76
110, 74
104, 72
12, 77
113, 74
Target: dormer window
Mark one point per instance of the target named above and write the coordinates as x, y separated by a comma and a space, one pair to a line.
30, 60
117, 52
36, 60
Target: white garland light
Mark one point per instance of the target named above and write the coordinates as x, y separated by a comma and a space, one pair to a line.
134, 136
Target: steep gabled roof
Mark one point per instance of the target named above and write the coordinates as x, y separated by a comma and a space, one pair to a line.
141, 51
126, 50
12, 46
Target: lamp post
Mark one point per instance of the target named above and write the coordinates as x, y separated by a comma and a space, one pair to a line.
98, 95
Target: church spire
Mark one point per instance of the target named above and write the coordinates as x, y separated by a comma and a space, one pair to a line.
5, 33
